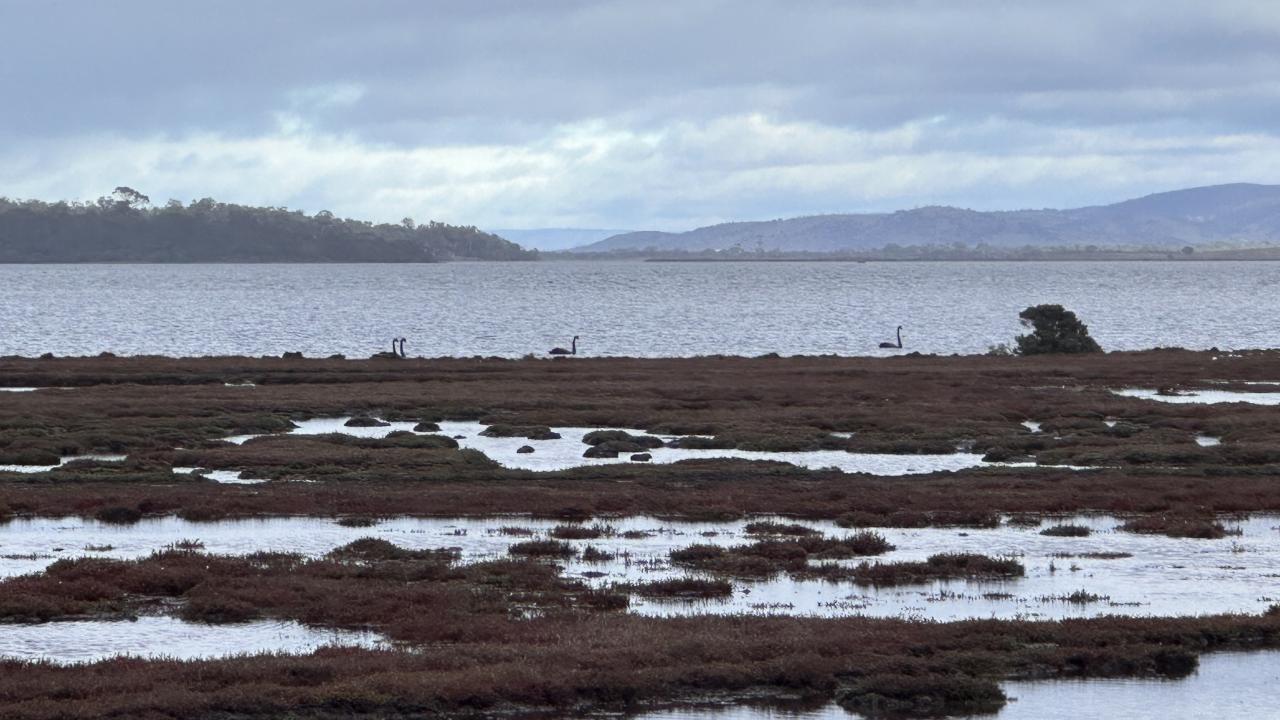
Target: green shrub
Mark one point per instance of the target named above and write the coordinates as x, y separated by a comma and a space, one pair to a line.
1054, 330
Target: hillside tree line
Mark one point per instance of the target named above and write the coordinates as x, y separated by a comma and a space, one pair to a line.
125, 227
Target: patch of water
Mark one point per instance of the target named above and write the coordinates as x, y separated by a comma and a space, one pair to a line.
1227, 685
18, 389
82, 641
61, 462
229, 477
1207, 440
1162, 576
1031, 425
325, 426
1204, 396
566, 452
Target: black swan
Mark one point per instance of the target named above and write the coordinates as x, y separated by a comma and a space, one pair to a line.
402, 341
562, 351
892, 345
387, 354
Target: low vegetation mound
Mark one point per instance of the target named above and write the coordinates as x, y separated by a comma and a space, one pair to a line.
943, 566
542, 548
1176, 526
919, 519
529, 432
771, 556
926, 695
686, 588
580, 532
769, 527
1067, 531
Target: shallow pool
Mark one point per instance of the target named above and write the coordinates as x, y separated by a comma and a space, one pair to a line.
1160, 575
1204, 396
79, 641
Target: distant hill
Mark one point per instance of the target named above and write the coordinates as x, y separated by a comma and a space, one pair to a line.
555, 238
123, 227
1239, 214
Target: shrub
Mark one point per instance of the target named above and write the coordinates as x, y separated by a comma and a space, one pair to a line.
686, 587
356, 522
218, 610
1054, 330
201, 514
1176, 526
529, 432
923, 695
593, 554
604, 599
542, 548
1067, 531
767, 527
599, 437
119, 515
938, 567
577, 532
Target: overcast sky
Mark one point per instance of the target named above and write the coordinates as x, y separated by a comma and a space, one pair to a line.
644, 114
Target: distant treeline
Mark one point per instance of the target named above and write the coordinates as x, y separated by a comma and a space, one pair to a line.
125, 227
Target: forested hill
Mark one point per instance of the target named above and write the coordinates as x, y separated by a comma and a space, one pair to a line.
124, 227
1237, 215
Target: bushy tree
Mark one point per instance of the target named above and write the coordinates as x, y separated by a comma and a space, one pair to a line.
1054, 330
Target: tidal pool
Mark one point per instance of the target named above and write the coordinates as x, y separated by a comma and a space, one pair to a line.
1227, 685
63, 461
566, 452
81, 641
230, 477
1155, 575
1204, 396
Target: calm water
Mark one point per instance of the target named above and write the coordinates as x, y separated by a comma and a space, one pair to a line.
1228, 685
622, 308
1161, 576
79, 641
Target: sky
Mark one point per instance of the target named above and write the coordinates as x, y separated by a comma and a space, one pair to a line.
638, 115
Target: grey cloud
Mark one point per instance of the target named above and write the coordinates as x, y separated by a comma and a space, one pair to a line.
144, 65
635, 114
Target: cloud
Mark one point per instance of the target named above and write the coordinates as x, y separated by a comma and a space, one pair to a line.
631, 114
595, 172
